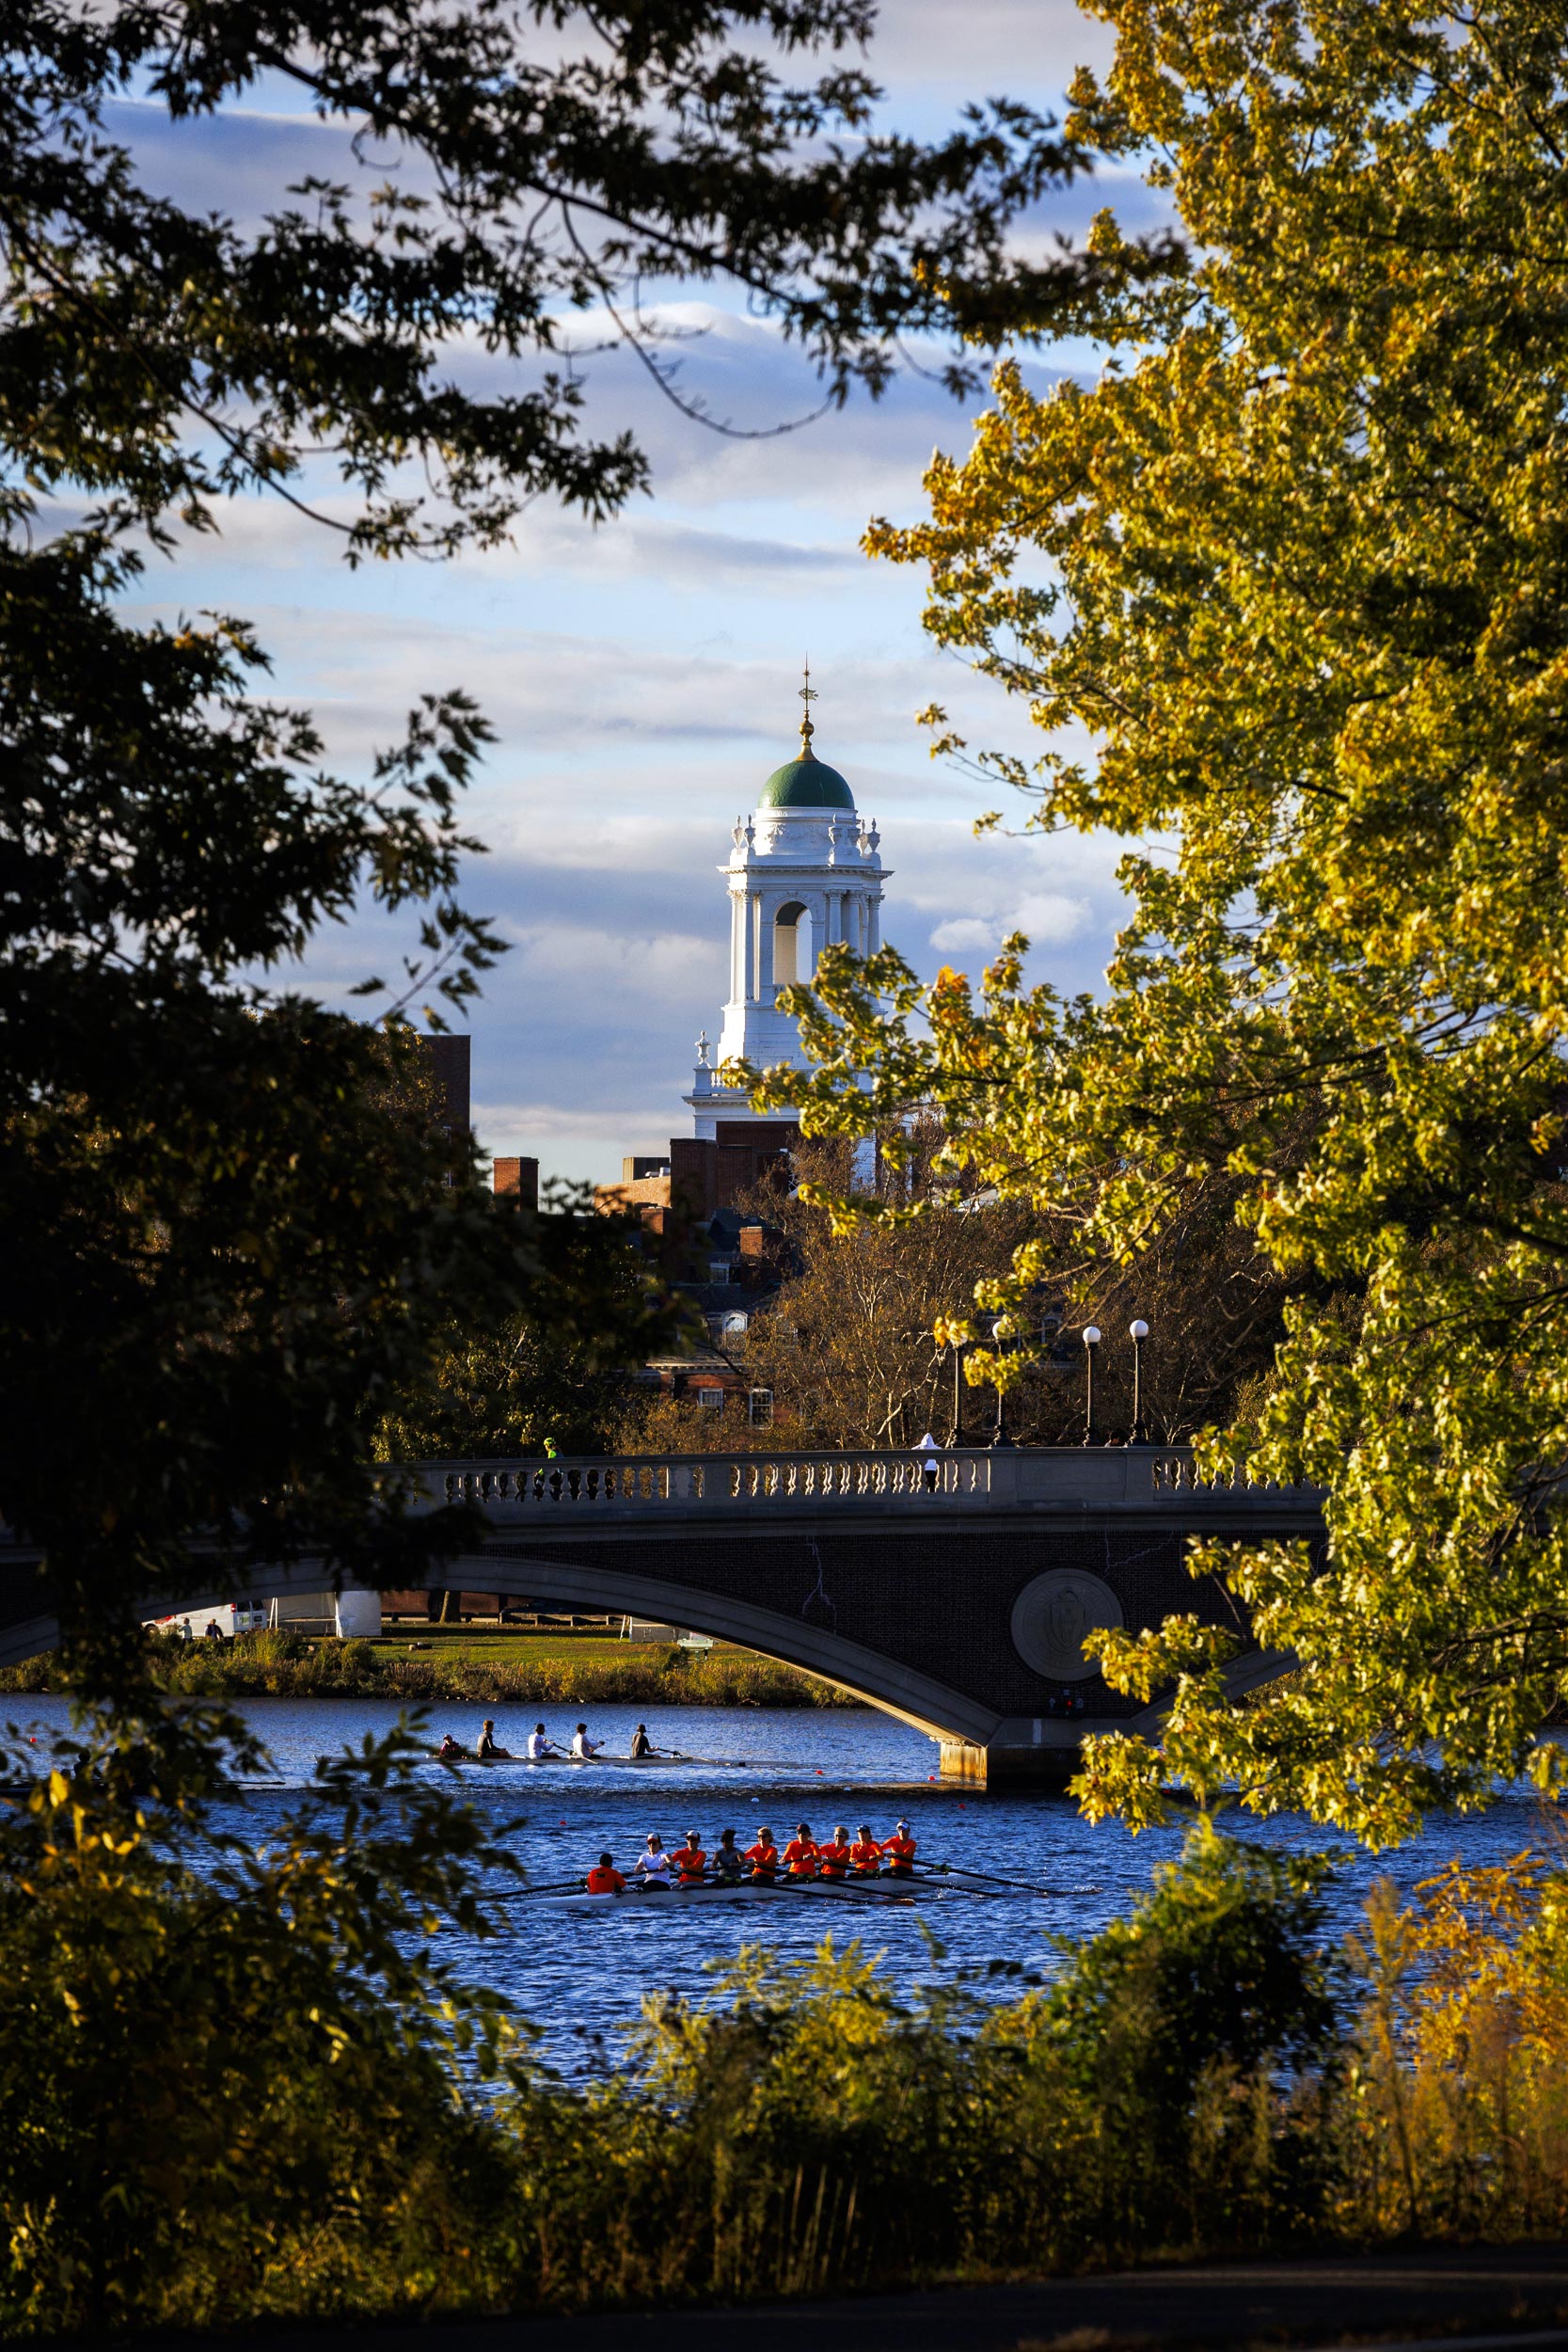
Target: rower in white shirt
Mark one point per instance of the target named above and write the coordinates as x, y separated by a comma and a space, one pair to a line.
541, 1747
583, 1748
654, 1869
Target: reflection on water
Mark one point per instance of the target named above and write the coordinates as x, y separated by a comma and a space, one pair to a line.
582, 1976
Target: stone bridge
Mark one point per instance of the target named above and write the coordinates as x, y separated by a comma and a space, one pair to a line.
956, 1596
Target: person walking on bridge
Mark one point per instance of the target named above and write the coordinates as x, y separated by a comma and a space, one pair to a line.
928, 1454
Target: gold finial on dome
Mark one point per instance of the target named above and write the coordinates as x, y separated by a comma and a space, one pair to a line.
808, 695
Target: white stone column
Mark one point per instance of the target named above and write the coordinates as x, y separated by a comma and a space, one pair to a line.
765, 950
873, 910
737, 947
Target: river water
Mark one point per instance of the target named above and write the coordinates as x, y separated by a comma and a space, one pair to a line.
582, 1976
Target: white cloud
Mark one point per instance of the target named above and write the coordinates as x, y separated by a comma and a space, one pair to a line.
953, 939
1048, 919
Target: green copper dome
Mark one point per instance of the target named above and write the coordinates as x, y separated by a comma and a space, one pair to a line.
805, 782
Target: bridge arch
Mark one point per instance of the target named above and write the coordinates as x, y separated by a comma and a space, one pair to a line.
897, 1690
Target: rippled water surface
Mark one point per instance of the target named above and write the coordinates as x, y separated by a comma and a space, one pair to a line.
582, 1976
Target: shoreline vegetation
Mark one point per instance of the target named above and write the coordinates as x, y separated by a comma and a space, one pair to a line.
435, 1664
1212, 2076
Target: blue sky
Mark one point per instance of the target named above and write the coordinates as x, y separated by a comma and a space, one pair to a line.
642, 678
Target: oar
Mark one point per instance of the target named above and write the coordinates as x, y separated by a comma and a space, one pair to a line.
959, 1869
871, 1891
554, 1886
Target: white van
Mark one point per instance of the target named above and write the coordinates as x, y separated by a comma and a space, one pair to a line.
230, 1617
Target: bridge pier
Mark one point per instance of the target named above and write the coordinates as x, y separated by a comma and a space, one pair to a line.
1045, 1756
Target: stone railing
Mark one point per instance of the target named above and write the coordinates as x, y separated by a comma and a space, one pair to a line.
1176, 1474
709, 1480
649, 1487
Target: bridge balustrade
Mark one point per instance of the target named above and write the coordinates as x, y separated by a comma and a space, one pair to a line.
708, 1478
647, 1487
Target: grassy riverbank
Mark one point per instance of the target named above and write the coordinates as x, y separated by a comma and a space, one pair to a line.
451, 1663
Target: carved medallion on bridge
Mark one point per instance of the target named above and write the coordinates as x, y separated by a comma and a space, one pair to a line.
1050, 1617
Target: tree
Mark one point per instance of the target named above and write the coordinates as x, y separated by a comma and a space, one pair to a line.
848, 1345
1296, 561
870, 1338
501, 1382
233, 1247
234, 2072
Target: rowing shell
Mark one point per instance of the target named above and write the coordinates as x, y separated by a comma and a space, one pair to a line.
681, 1897
577, 1763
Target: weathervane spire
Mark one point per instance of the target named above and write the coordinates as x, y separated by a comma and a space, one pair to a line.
808, 695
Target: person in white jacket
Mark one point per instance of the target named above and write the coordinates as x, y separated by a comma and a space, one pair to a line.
928, 1454
583, 1748
654, 1869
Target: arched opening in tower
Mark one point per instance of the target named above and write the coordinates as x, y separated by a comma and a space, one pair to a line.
792, 955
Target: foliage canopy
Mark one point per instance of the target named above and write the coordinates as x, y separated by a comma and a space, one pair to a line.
1296, 562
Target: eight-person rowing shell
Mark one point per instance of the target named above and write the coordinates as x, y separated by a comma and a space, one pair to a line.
804, 1861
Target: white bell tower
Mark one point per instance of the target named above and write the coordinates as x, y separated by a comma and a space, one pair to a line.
805, 872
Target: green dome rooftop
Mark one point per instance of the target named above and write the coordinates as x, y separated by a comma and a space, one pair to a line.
805, 782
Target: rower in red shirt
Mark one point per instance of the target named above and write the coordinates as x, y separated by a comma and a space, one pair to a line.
764, 1859
605, 1879
689, 1860
801, 1853
833, 1862
866, 1854
899, 1849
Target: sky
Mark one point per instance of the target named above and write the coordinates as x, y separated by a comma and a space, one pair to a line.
642, 678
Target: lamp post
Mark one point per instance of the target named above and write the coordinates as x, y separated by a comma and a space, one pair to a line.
999, 1332
1091, 1340
958, 1437
1138, 1332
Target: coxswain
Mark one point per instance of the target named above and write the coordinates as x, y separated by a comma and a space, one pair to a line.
583, 1748
653, 1868
764, 1859
801, 1853
486, 1750
541, 1747
866, 1854
832, 1861
729, 1865
899, 1849
605, 1879
689, 1859
449, 1748
641, 1743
